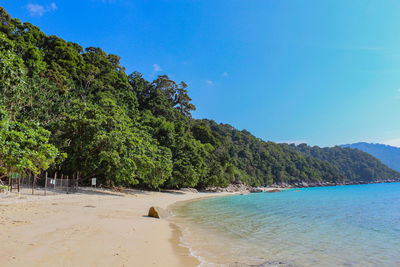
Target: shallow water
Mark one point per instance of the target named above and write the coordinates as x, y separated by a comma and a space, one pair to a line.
357, 225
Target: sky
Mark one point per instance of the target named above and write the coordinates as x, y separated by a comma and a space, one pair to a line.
317, 72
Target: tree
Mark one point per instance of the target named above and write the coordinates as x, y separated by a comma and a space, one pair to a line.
13, 87
104, 142
24, 146
182, 100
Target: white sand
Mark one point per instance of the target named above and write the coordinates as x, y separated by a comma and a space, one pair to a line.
92, 228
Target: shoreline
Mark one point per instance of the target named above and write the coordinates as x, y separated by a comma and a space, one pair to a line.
93, 228
257, 235
183, 250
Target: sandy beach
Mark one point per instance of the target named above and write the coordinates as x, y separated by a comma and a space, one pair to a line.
92, 228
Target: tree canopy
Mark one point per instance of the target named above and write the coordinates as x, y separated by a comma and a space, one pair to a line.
24, 146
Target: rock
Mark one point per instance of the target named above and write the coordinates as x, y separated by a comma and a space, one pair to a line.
159, 213
191, 190
232, 188
304, 184
273, 191
256, 190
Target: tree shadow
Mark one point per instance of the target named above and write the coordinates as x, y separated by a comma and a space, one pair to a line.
98, 191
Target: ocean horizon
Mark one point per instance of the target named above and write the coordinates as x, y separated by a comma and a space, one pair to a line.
353, 225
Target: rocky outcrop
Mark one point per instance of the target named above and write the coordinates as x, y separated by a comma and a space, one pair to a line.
232, 188
241, 188
246, 189
256, 190
191, 190
159, 213
323, 183
281, 185
273, 190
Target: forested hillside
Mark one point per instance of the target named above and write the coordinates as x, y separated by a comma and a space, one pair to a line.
354, 164
258, 162
389, 155
76, 111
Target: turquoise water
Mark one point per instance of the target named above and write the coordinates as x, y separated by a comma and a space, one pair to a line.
357, 225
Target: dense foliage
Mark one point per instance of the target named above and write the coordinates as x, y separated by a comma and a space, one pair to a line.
354, 164
244, 157
79, 106
24, 146
389, 155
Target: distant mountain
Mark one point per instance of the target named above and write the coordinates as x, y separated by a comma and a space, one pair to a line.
389, 155
354, 164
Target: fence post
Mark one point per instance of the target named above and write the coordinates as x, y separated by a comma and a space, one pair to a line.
67, 184
74, 181
55, 180
19, 181
33, 183
45, 185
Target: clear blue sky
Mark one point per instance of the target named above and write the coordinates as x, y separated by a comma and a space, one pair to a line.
322, 72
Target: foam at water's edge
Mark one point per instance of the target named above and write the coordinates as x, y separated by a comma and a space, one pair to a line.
341, 226
182, 230
187, 245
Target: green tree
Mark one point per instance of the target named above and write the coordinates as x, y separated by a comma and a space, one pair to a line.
104, 142
24, 146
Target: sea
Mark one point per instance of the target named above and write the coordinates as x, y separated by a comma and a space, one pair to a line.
353, 225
